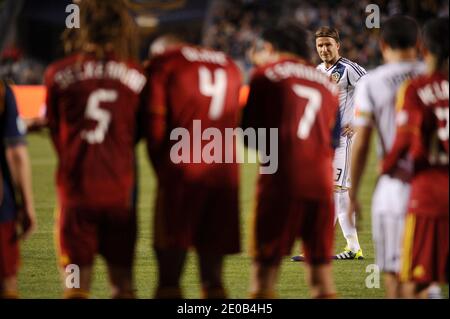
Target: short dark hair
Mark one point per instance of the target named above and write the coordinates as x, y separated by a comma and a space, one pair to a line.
327, 32
435, 39
290, 37
400, 32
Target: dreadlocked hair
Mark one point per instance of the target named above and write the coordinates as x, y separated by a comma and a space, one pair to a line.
108, 26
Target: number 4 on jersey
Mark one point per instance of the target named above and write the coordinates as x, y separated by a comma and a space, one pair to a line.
216, 89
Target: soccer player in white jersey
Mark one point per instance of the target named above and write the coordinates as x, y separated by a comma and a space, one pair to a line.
345, 74
375, 98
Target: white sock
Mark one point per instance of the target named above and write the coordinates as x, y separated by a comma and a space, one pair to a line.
341, 202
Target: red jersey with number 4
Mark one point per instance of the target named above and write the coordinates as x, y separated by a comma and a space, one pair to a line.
302, 104
92, 108
194, 100
424, 112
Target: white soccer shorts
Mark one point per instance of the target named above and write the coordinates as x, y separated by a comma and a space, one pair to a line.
341, 163
389, 206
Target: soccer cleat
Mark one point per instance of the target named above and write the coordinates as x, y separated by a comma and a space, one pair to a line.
300, 257
348, 254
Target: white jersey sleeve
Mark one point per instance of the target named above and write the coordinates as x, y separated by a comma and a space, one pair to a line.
364, 104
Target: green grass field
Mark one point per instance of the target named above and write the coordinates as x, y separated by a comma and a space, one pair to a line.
39, 277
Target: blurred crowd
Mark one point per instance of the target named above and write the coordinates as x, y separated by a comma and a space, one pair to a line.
234, 24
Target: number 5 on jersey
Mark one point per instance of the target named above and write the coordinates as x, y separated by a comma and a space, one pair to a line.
95, 113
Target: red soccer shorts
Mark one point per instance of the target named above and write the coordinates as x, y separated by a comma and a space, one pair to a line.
280, 220
191, 215
9, 250
83, 233
425, 249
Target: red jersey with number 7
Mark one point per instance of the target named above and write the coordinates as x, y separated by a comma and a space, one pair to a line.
302, 104
194, 102
92, 111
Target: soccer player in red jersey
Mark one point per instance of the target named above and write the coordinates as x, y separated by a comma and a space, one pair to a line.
422, 131
93, 101
16, 194
288, 93
194, 95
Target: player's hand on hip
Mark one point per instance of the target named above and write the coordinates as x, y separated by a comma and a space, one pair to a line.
348, 131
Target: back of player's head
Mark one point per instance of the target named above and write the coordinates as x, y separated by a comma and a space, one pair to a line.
435, 39
164, 43
289, 37
106, 22
327, 32
400, 32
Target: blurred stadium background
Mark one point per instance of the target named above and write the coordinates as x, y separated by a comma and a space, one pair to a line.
30, 40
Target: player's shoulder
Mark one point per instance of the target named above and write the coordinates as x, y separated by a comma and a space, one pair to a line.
352, 66
190, 54
62, 63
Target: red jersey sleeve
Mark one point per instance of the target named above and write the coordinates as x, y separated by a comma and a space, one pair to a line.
252, 115
51, 106
408, 121
156, 110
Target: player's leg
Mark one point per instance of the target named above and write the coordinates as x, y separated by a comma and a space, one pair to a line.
389, 204
263, 278
425, 254
320, 281
317, 234
172, 230
211, 267
119, 250
274, 228
8, 288
76, 283
77, 246
170, 268
216, 234
341, 165
9, 260
342, 201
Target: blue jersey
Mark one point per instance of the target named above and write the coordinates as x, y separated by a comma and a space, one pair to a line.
12, 133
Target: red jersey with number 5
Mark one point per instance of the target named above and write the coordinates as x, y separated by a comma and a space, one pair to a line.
302, 104
424, 112
92, 111
194, 100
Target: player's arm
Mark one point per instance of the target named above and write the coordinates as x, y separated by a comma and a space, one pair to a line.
252, 113
361, 146
51, 112
355, 73
19, 164
408, 121
156, 109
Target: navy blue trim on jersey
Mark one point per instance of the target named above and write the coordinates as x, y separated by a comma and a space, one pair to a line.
336, 132
358, 71
334, 64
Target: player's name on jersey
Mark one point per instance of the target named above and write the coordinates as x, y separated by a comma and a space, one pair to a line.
112, 70
289, 69
430, 94
190, 146
201, 55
